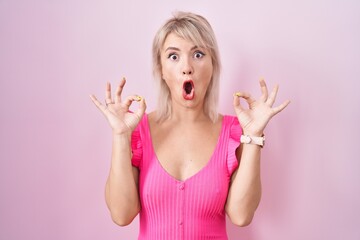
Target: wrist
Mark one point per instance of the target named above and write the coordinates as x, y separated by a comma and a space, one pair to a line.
117, 135
254, 140
253, 133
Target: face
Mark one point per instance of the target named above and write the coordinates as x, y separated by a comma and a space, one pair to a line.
187, 70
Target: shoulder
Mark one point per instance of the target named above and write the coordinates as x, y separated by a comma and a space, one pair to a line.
151, 117
231, 120
142, 128
152, 120
231, 123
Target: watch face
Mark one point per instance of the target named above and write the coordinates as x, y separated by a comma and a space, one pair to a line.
253, 140
246, 139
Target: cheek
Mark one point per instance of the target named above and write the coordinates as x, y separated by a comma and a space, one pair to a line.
207, 71
166, 71
167, 75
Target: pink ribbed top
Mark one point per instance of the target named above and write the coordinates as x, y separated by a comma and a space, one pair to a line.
189, 209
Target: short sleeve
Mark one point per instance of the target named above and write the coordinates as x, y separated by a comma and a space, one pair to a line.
234, 142
136, 147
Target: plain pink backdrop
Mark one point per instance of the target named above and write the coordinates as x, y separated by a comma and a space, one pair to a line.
55, 145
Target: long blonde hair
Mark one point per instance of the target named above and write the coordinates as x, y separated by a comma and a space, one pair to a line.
197, 29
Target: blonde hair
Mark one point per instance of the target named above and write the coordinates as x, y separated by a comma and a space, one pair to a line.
197, 29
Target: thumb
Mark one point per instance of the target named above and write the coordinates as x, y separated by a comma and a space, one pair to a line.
142, 106
236, 102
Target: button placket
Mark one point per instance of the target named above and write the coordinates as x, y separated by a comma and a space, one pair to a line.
181, 190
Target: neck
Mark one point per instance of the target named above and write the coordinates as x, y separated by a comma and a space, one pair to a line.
187, 114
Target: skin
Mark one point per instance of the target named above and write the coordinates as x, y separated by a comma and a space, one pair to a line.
182, 60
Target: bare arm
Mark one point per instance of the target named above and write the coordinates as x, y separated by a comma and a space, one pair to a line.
245, 190
121, 191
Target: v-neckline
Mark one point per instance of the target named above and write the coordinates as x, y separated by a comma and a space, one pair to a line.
196, 173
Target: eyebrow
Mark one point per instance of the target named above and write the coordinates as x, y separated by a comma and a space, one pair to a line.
177, 49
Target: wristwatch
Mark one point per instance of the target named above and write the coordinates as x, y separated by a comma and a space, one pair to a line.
253, 140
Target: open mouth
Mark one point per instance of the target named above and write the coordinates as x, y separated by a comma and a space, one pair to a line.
188, 90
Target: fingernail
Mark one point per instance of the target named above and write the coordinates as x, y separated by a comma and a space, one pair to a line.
237, 94
138, 98
124, 78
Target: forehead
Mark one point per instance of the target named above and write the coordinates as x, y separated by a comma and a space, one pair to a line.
174, 40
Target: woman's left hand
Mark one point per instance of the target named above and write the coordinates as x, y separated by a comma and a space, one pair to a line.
254, 119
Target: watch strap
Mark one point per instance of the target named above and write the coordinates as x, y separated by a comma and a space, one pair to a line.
253, 140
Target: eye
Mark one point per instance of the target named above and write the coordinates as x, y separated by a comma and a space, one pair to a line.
198, 54
173, 56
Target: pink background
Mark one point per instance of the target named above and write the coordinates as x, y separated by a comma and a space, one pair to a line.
55, 145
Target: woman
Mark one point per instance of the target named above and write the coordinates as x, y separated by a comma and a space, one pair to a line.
182, 166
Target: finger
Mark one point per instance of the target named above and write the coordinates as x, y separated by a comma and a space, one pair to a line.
281, 107
270, 101
119, 90
128, 101
236, 101
142, 107
108, 99
264, 90
98, 104
245, 96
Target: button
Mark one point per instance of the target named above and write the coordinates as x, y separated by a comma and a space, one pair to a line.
181, 187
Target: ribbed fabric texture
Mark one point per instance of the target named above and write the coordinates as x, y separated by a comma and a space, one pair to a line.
189, 209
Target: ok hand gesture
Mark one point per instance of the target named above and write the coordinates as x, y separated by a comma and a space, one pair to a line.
254, 119
116, 111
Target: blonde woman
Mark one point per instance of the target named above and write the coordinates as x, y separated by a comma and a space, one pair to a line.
184, 166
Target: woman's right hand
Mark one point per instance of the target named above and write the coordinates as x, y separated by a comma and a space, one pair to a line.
116, 111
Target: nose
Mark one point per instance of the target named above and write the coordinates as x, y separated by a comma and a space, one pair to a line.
187, 72
187, 68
